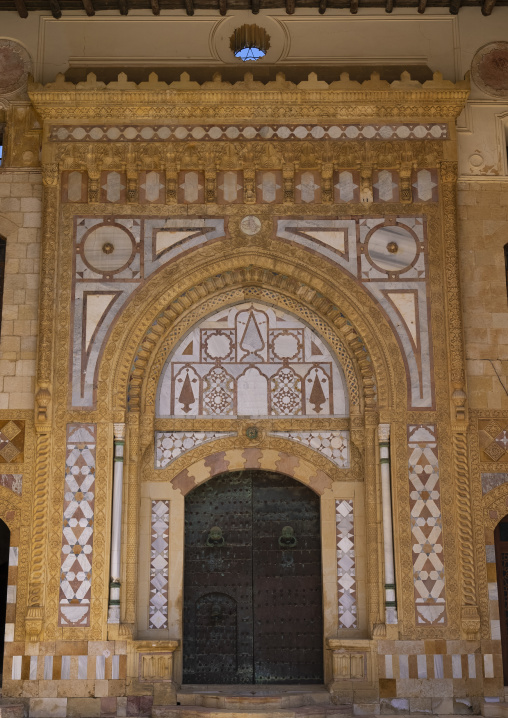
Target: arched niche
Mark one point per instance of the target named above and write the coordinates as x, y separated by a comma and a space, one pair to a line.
252, 359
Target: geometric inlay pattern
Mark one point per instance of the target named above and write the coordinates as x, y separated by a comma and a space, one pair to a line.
426, 525
158, 612
169, 445
388, 258
493, 437
12, 482
112, 258
78, 526
158, 133
332, 444
346, 573
12, 441
252, 360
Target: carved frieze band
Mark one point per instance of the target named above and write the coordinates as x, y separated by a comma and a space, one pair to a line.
163, 133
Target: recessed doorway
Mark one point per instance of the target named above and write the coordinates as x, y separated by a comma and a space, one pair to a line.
252, 581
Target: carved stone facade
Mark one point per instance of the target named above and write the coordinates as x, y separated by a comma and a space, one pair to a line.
255, 278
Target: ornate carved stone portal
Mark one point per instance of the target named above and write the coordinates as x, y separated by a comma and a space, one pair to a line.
238, 281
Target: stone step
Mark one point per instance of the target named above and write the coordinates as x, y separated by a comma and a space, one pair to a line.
251, 711
12, 710
255, 698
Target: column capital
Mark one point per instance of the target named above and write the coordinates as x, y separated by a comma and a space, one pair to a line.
119, 432
383, 432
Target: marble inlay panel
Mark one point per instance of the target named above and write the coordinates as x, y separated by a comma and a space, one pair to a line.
493, 437
13, 482
113, 257
332, 444
346, 563
162, 133
426, 525
346, 186
74, 186
389, 259
386, 186
425, 186
158, 611
78, 526
152, 187
269, 186
491, 481
169, 445
12, 441
252, 360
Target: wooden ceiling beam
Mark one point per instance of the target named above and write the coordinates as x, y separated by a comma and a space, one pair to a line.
353, 7
290, 7
455, 6
488, 6
89, 8
389, 5
55, 8
322, 7
21, 8
156, 8
255, 5
422, 6
189, 7
223, 6
123, 7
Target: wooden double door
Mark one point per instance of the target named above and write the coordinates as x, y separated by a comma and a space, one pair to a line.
252, 581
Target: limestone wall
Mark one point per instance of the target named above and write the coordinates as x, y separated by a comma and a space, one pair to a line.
20, 221
483, 222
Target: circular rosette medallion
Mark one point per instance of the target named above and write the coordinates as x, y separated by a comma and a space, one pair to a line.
14, 66
490, 69
392, 249
108, 249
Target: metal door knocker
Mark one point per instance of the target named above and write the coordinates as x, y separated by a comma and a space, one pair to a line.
215, 537
287, 539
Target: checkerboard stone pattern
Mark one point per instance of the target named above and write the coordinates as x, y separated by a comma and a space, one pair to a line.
346, 570
78, 526
158, 612
12, 441
12, 580
426, 525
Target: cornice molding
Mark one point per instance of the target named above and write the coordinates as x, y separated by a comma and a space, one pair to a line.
250, 99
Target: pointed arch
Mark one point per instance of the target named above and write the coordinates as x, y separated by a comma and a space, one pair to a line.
177, 297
